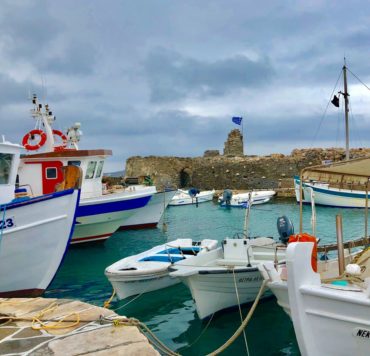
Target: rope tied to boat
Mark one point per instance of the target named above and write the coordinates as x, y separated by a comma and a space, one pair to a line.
243, 324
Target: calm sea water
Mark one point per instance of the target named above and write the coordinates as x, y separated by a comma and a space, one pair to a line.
170, 312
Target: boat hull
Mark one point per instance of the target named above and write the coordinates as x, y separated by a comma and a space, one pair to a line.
214, 290
332, 197
32, 249
186, 199
150, 214
128, 287
98, 218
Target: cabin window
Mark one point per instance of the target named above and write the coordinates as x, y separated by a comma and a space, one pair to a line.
99, 170
5, 166
51, 173
90, 170
74, 163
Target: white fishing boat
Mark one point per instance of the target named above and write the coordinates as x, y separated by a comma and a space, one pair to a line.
191, 197
150, 214
240, 200
99, 213
34, 232
228, 276
148, 271
330, 309
334, 193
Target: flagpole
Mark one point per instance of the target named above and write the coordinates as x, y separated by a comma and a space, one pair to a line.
243, 133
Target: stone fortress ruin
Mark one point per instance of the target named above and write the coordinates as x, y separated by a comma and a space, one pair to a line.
233, 169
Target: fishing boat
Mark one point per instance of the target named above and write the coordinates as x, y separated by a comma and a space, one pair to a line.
330, 310
34, 232
335, 193
150, 215
241, 199
148, 271
100, 213
193, 196
227, 276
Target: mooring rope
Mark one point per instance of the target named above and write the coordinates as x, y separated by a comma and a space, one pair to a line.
240, 311
244, 323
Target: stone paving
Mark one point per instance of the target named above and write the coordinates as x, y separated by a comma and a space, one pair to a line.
87, 337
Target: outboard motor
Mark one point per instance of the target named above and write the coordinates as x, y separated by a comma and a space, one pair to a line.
193, 192
226, 196
285, 228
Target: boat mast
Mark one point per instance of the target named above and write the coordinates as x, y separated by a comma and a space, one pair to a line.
346, 110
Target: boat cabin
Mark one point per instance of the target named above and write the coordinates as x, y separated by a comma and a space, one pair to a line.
9, 161
44, 170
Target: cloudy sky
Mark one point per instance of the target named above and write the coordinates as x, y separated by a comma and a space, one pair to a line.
164, 77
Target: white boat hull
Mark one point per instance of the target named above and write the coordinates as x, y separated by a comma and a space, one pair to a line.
215, 290
332, 197
31, 250
327, 319
98, 218
258, 197
144, 284
148, 270
186, 199
150, 214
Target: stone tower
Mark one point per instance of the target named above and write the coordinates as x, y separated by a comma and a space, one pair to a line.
234, 144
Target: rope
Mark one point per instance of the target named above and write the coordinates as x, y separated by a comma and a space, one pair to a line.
240, 311
326, 109
107, 302
244, 323
38, 324
123, 321
358, 79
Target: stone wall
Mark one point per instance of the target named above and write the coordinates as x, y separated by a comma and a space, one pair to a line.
238, 172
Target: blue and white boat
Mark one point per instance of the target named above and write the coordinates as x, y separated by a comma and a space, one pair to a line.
325, 195
148, 271
34, 232
100, 212
241, 200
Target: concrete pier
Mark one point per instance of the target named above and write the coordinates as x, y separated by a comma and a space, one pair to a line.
29, 326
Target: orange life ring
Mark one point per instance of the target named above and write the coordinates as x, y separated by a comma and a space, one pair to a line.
30, 135
307, 238
64, 141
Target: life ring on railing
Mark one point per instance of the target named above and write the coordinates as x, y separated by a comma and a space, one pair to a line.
30, 135
304, 237
64, 139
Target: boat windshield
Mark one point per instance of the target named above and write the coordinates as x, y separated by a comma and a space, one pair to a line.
5, 167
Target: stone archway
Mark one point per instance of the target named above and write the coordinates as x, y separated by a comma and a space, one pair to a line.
185, 178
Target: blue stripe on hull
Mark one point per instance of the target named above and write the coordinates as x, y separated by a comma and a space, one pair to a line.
103, 208
339, 193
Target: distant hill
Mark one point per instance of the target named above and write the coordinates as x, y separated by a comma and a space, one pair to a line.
115, 174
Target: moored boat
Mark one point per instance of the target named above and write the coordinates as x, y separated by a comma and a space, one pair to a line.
329, 308
191, 197
150, 214
228, 276
148, 271
99, 214
34, 232
240, 200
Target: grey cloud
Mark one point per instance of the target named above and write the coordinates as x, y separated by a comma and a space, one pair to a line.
172, 76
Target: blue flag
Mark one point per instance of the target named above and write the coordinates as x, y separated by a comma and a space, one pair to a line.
237, 120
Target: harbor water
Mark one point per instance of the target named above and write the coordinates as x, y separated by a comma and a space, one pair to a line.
170, 312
